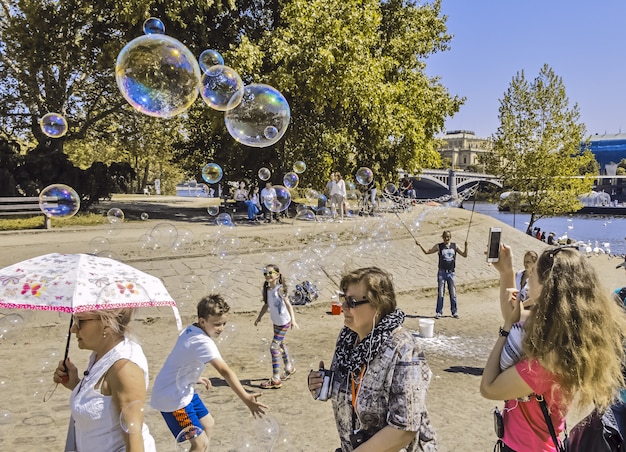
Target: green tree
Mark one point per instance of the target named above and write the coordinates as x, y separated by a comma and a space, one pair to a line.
537, 148
353, 74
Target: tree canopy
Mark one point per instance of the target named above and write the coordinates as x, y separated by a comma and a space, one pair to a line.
537, 148
352, 72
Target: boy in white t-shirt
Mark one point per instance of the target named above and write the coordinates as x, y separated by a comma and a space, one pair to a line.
180, 405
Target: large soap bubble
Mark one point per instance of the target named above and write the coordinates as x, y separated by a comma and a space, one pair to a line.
157, 75
53, 125
59, 201
131, 417
364, 176
212, 173
184, 437
188, 375
261, 118
291, 180
299, 167
115, 215
153, 26
221, 88
210, 58
279, 202
264, 174
10, 326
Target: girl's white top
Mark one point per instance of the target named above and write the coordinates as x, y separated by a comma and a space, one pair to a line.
278, 311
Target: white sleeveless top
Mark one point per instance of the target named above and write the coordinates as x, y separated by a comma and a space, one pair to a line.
97, 422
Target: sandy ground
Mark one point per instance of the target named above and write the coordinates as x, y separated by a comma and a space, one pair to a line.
229, 260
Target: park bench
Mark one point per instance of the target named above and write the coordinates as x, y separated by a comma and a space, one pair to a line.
25, 206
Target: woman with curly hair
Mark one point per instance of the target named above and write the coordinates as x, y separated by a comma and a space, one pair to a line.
572, 347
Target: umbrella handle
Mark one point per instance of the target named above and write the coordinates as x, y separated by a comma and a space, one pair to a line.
67, 349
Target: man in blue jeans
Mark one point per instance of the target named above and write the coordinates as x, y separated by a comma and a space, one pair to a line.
447, 252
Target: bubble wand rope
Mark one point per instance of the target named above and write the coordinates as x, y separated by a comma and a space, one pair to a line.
405, 226
472, 215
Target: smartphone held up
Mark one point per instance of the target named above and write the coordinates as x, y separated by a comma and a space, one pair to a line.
493, 246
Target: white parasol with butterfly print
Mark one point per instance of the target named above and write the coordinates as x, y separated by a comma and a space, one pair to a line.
80, 282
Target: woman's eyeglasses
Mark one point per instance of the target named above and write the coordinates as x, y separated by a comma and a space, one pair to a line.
78, 321
351, 302
269, 272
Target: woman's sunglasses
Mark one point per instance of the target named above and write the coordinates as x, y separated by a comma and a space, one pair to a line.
269, 272
351, 302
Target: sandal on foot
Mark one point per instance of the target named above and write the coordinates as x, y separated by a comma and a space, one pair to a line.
288, 373
271, 384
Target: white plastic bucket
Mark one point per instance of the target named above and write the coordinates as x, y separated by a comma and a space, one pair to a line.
427, 327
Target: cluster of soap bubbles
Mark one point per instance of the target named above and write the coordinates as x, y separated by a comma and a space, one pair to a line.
160, 77
59, 201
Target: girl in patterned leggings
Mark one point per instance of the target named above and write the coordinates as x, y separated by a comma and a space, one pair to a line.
276, 301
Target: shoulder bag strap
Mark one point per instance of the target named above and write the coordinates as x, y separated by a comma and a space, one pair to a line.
546, 416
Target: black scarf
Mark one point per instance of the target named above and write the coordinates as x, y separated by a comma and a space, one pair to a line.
350, 356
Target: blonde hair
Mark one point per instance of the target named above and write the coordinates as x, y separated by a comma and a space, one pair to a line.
117, 320
576, 330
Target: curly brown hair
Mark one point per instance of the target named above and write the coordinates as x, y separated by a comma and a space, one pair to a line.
576, 330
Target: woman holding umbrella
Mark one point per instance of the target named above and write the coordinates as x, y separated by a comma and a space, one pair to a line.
107, 403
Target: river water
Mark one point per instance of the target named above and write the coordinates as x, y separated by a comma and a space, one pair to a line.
604, 229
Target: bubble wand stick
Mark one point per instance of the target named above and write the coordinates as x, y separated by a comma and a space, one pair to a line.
472, 215
405, 226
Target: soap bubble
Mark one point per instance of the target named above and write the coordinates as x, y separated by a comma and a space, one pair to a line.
270, 132
53, 125
152, 26
279, 202
311, 195
131, 417
299, 167
144, 216
188, 375
305, 215
115, 215
210, 58
364, 176
291, 180
11, 325
264, 174
212, 173
224, 219
260, 107
183, 439
390, 188
59, 201
98, 244
164, 235
5, 417
213, 210
221, 88
157, 75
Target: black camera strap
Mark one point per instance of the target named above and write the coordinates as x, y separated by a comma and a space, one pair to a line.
546, 416
355, 394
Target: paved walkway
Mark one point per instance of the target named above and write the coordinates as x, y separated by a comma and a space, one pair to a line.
229, 260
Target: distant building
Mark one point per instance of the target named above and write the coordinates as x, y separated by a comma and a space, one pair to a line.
463, 148
608, 148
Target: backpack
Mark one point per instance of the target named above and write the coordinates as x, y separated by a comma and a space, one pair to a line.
599, 433
304, 293
595, 433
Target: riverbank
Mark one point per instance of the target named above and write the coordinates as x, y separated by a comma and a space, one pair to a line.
230, 260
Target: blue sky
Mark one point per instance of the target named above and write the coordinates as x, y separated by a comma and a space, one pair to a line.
583, 42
